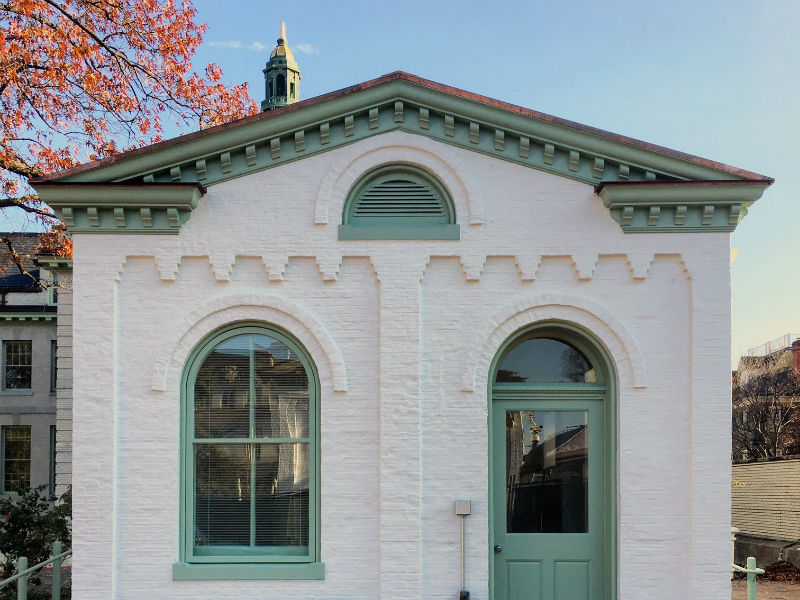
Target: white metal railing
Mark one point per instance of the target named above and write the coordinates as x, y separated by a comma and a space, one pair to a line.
773, 345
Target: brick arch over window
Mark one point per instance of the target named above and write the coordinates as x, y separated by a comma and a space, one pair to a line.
398, 148
571, 308
203, 321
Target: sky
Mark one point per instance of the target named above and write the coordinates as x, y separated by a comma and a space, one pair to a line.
718, 79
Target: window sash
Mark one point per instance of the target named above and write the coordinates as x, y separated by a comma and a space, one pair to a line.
53, 365
17, 364
16, 470
240, 553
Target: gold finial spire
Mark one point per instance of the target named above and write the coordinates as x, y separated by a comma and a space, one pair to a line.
282, 37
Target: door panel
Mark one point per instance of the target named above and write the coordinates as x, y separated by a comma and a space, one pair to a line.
524, 579
548, 499
572, 580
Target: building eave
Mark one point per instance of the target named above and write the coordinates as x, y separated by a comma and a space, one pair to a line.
395, 102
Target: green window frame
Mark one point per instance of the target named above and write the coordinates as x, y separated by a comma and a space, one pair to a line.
228, 381
399, 202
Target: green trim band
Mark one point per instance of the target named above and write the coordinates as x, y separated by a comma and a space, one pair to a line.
675, 207
122, 208
395, 232
182, 571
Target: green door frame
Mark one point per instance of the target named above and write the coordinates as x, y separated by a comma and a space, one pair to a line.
601, 360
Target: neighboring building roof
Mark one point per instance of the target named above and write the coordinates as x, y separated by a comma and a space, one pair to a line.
11, 280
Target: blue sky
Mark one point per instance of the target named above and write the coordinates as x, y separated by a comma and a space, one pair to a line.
716, 79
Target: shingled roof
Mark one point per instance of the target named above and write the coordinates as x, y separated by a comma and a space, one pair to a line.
25, 245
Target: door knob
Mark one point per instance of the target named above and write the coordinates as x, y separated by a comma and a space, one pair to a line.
498, 549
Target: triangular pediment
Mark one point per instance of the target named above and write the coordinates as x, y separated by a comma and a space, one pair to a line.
403, 102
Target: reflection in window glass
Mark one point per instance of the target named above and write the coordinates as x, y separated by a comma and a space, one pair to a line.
18, 361
281, 390
251, 449
222, 391
547, 471
542, 360
16, 457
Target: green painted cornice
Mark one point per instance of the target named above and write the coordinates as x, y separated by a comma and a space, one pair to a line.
394, 102
646, 207
54, 263
122, 207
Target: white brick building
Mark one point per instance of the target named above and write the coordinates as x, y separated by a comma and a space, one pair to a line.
373, 303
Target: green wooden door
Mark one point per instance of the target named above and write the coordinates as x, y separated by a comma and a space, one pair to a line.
549, 520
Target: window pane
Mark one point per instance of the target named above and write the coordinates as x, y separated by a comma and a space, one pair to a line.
18, 365
542, 360
222, 391
282, 494
547, 471
281, 390
53, 365
222, 497
17, 457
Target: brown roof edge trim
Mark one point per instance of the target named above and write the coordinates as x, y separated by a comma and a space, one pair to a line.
123, 184
709, 182
396, 76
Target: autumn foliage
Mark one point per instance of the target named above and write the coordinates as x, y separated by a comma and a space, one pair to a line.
85, 79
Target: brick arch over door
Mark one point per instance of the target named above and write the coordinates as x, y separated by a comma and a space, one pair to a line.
571, 308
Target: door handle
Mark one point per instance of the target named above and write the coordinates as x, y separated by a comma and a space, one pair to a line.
498, 549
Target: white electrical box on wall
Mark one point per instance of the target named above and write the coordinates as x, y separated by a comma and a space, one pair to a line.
462, 507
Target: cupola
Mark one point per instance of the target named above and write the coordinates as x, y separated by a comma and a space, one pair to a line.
281, 75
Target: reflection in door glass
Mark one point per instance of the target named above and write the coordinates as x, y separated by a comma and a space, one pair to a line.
547, 471
542, 360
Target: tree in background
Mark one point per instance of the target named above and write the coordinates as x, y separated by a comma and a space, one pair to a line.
85, 79
766, 407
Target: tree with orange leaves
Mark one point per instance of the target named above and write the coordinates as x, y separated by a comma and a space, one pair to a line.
85, 79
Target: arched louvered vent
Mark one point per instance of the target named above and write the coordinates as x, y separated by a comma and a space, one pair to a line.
401, 198
398, 202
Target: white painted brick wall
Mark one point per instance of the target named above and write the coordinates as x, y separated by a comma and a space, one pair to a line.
402, 333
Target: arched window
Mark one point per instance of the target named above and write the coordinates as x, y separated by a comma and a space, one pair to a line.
280, 85
250, 426
398, 202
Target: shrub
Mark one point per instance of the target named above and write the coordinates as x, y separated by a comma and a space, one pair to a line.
30, 521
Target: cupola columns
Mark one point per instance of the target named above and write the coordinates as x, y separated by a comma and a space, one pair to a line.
281, 75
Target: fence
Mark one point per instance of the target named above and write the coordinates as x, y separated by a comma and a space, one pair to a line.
24, 573
773, 345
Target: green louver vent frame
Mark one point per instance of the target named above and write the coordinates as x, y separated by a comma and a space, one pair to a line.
398, 202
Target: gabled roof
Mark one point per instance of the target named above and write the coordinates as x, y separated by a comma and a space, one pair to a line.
397, 101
